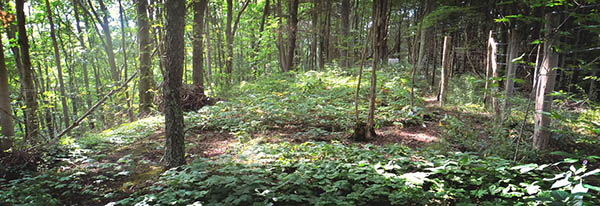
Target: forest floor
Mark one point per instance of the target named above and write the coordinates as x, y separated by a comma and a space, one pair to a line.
285, 141
145, 155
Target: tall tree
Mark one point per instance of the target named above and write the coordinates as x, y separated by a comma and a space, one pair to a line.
144, 46
511, 70
315, 37
57, 61
29, 91
545, 86
84, 68
345, 14
230, 30
124, 49
379, 13
107, 43
324, 35
6, 121
174, 51
446, 66
382, 36
291, 39
197, 44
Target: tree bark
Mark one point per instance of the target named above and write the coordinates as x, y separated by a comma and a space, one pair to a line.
6, 118
511, 70
315, 36
291, 39
345, 14
547, 76
114, 71
124, 48
324, 34
58, 66
446, 62
197, 44
230, 34
146, 82
84, 59
174, 46
379, 12
592, 88
31, 121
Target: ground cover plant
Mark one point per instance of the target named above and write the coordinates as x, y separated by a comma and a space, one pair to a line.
308, 162
290, 102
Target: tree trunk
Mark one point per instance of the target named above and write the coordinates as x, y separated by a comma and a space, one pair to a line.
209, 79
6, 119
230, 30
146, 82
592, 90
488, 70
492, 61
324, 33
543, 101
174, 46
379, 12
99, 91
124, 48
346, 59
84, 59
446, 66
197, 44
31, 122
58, 66
114, 71
315, 36
511, 70
292, 29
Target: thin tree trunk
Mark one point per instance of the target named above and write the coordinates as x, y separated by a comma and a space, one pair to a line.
488, 70
511, 70
292, 29
592, 88
31, 122
197, 44
58, 67
379, 12
86, 79
345, 14
6, 118
114, 71
209, 75
144, 47
124, 48
99, 91
543, 101
230, 30
324, 33
446, 66
315, 36
261, 29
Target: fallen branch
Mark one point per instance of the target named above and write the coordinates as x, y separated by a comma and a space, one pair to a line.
100, 102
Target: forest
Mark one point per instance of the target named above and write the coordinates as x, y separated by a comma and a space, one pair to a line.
299, 102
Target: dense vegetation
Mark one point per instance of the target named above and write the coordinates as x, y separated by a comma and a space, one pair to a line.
288, 102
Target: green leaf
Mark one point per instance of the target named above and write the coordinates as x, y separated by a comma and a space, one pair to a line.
562, 182
595, 188
593, 172
579, 188
525, 168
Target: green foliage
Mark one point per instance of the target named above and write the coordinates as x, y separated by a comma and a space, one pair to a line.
337, 174
305, 101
